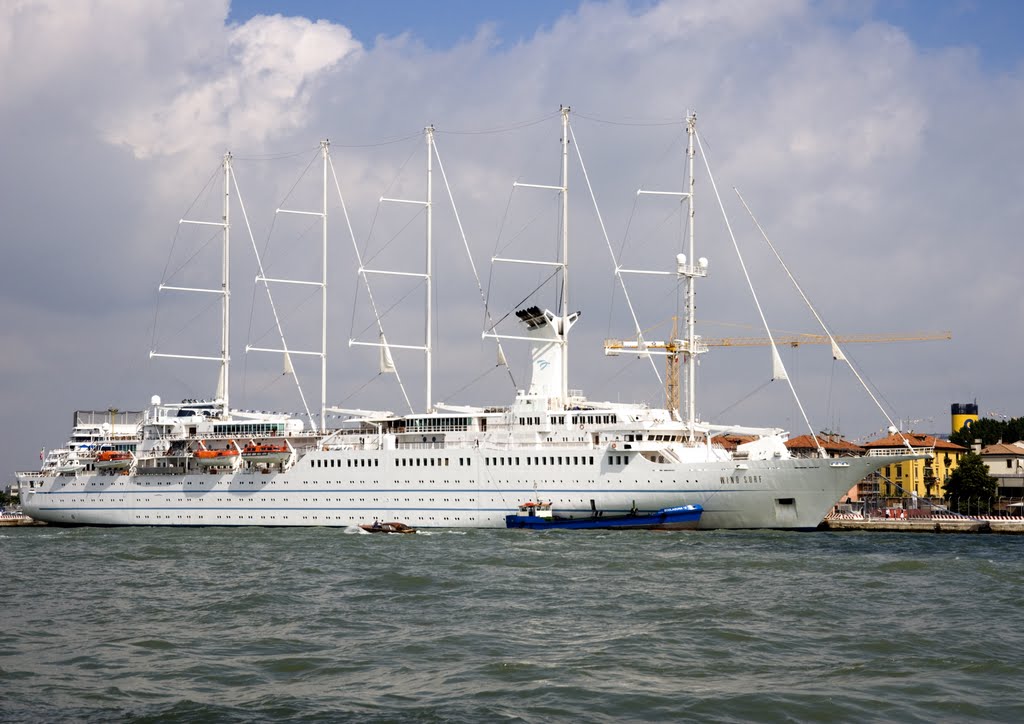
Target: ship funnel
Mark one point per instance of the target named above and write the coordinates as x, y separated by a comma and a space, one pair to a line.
544, 328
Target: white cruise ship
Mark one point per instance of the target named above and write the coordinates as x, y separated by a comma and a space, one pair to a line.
203, 463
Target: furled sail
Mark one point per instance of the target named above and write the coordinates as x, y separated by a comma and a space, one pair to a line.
778, 369
387, 362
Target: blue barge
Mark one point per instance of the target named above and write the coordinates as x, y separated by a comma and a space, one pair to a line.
538, 516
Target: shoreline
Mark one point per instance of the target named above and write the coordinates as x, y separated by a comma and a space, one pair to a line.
931, 524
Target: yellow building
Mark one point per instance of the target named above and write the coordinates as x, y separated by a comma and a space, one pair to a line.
923, 478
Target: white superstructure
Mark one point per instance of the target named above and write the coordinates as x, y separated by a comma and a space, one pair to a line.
450, 468
203, 463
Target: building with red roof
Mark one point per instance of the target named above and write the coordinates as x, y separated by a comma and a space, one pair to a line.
731, 441
1005, 462
924, 477
835, 446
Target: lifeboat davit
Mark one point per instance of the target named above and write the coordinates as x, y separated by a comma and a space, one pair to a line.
114, 460
263, 452
220, 458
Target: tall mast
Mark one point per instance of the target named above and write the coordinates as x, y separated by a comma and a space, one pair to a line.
690, 346
225, 329
429, 132
426, 276
322, 283
565, 256
549, 331
223, 379
325, 151
691, 307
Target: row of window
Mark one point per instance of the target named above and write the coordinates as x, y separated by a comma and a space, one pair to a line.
249, 428
594, 419
375, 462
245, 501
205, 501
541, 460
352, 463
346, 519
659, 437
425, 462
445, 462
575, 420
554, 420
146, 483
437, 424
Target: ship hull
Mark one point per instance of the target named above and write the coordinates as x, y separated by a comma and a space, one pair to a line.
452, 488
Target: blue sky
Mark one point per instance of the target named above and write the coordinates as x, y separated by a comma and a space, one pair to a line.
438, 24
992, 27
879, 143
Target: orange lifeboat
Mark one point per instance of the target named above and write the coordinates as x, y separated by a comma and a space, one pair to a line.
113, 460
262, 452
220, 458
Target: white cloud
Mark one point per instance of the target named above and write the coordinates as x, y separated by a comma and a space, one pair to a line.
261, 87
873, 164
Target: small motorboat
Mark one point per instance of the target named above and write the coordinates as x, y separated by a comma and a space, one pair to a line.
392, 527
539, 516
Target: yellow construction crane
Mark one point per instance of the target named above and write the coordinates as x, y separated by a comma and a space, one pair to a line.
673, 348
795, 340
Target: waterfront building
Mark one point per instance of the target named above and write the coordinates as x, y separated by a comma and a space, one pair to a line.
1005, 462
731, 441
832, 443
916, 478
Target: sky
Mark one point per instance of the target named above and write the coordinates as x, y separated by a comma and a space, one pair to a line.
877, 144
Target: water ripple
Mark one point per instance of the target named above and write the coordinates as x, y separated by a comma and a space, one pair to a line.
150, 624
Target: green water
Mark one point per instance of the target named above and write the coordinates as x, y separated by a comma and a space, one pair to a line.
206, 624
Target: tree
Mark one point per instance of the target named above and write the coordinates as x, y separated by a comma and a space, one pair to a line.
989, 431
970, 487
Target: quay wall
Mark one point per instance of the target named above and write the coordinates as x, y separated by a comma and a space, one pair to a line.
929, 524
7, 520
